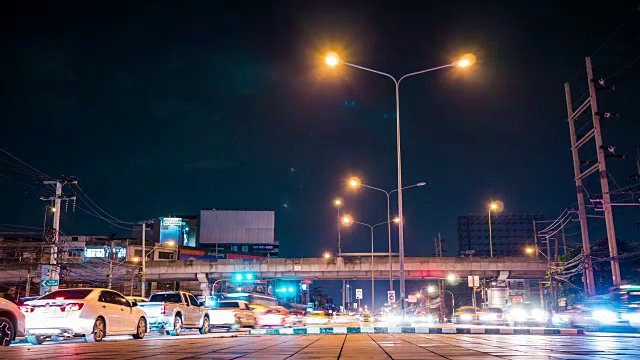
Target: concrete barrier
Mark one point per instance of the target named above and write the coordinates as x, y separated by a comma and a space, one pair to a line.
418, 330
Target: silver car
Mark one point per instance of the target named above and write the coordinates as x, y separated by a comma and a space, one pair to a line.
11, 322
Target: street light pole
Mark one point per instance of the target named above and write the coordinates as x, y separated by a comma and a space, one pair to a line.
467, 60
490, 236
354, 182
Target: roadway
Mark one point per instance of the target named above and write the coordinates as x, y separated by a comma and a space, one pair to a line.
351, 346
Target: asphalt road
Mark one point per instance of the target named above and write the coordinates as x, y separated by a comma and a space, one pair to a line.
352, 346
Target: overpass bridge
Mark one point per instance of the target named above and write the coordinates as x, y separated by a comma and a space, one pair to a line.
416, 268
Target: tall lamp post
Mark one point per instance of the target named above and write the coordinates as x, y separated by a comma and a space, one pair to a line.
332, 60
347, 220
145, 254
495, 206
354, 182
338, 202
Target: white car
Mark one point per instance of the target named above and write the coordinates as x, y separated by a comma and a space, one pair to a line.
11, 322
91, 313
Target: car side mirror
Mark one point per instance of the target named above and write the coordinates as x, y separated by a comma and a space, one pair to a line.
134, 303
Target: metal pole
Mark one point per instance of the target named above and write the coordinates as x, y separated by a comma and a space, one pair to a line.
490, 236
564, 243
604, 179
389, 234
53, 259
400, 212
111, 264
589, 281
143, 278
372, 276
535, 237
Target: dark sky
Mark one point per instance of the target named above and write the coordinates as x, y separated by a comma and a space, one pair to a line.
169, 107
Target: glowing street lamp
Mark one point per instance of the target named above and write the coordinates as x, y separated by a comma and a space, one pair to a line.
452, 277
332, 60
338, 202
326, 255
530, 250
495, 206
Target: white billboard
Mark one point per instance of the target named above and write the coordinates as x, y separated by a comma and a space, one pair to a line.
237, 227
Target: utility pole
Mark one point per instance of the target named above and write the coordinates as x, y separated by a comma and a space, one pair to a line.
577, 141
111, 264
556, 252
143, 277
51, 273
564, 243
604, 179
535, 237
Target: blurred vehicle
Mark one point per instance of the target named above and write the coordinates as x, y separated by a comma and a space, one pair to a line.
91, 313
258, 308
138, 299
279, 316
339, 318
527, 314
491, 316
12, 322
297, 318
366, 318
628, 296
170, 312
423, 318
378, 317
232, 314
466, 315
317, 318
23, 300
593, 314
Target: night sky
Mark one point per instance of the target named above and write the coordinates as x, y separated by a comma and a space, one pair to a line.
170, 107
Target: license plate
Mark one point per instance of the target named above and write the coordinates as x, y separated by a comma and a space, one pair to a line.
47, 311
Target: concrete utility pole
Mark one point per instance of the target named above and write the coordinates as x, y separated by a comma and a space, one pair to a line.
111, 264
601, 167
604, 179
143, 277
51, 273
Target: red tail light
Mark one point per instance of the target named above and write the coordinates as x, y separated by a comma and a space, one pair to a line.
27, 309
163, 310
71, 307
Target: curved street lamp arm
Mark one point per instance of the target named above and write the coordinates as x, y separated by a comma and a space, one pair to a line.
410, 186
375, 188
373, 71
425, 71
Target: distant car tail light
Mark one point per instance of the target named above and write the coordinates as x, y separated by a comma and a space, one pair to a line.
71, 307
27, 309
163, 309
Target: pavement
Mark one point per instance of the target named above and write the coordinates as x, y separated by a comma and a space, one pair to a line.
339, 346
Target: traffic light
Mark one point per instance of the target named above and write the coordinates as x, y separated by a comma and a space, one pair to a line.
243, 277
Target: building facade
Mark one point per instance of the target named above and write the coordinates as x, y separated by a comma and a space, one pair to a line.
510, 234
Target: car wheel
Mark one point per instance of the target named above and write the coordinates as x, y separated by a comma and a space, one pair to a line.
177, 326
205, 326
99, 331
141, 329
7, 332
35, 339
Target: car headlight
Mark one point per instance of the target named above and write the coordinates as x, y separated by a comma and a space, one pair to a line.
604, 316
430, 318
539, 314
466, 317
517, 315
488, 317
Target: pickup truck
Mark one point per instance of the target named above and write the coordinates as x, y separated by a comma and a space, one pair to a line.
232, 314
170, 312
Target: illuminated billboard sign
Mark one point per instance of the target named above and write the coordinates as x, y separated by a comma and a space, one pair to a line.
171, 221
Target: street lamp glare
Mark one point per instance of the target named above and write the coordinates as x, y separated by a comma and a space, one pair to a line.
451, 277
337, 202
170, 243
529, 250
396, 220
332, 59
493, 206
466, 60
354, 182
327, 255
347, 220
135, 259
421, 183
418, 295
431, 288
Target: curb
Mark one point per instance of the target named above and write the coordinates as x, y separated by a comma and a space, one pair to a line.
417, 330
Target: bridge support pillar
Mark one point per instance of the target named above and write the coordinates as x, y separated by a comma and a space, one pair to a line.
205, 287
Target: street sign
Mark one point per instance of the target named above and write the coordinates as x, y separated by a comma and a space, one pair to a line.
50, 283
391, 297
474, 281
413, 299
358, 294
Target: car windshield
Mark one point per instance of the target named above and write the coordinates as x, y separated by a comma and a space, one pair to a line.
67, 294
166, 297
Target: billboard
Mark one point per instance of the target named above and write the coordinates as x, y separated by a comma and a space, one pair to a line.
176, 229
237, 227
